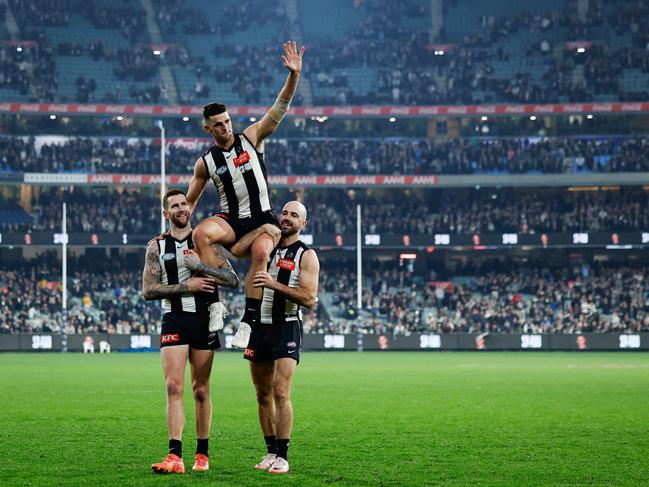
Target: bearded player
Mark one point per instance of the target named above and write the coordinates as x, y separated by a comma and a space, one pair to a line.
171, 274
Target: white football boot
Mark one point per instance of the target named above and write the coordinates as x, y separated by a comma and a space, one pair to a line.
280, 465
266, 462
217, 313
242, 336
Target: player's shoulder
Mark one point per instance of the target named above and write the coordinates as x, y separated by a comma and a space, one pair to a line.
153, 247
309, 254
303, 245
207, 152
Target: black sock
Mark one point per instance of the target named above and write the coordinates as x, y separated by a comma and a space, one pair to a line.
213, 297
271, 443
176, 447
251, 314
201, 446
282, 448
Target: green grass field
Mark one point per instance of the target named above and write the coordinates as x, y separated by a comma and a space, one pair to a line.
361, 419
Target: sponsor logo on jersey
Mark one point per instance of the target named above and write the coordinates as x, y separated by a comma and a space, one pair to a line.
291, 345
249, 352
170, 338
289, 265
168, 256
186, 251
242, 159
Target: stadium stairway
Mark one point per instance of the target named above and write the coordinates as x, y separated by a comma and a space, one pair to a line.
166, 75
304, 88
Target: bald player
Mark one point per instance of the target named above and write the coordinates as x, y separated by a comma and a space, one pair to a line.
290, 281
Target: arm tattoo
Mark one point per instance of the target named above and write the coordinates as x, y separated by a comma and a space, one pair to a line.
152, 288
224, 277
224, 274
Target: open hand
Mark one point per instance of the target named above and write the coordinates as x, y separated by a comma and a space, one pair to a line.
292, 58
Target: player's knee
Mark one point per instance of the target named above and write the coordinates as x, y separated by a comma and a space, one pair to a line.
261, 249
272, 230
201, 392
281, 393
201, 237
174, 388
264, 397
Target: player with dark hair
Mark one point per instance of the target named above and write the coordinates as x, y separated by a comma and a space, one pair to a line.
290, 281
170, 274
246, 224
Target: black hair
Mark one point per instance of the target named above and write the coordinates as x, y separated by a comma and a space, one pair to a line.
169, 194
213, 109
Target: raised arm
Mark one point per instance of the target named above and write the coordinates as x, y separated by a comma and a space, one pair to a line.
257, 132
197, 183
152, 287
304, 295
224, 275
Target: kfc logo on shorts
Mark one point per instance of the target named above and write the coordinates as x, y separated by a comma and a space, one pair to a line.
291, 345
242, 159
249, 352
289, 265
170, 338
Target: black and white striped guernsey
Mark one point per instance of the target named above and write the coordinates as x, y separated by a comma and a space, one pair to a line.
172, 263
284, 266
239, 175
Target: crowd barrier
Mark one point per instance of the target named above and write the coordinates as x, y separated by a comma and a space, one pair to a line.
314, 342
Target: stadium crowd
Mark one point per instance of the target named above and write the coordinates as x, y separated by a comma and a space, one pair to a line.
342, 156
481, 66
421, 212
395, 299
468, 212
389, 41
499, 299
105, 300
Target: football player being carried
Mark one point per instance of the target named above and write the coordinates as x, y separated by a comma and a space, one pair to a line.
246, 224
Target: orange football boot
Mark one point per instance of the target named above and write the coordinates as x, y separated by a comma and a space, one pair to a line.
201, 462
171, 464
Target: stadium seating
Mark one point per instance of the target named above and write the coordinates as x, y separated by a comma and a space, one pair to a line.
412, 212
368, 52
342, 156
396, 301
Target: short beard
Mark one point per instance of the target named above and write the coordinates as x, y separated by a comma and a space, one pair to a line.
289, 232
177, 224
